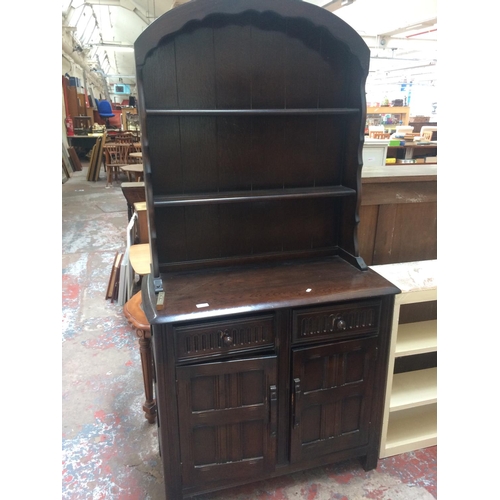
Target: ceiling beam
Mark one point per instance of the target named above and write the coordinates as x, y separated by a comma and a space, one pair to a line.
400, 43
337, 4
125, 4
412, 27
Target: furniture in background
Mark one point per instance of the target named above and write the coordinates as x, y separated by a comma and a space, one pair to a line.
82, 125
398, 214
270, 333
142, 232
126, 137
402, 130
375, 151
376, 128
389, 116
379, 135
96, 158
410, 415
105, 111
116, 157
137, 319
134, 171
83, 144
135, 156
133, 192
417, 126
413, 152
76, 163
130, 119
428, 132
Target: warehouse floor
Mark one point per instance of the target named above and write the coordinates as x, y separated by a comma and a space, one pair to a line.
109, 449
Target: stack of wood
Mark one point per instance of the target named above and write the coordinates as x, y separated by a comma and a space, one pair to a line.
410, 137
70, 162
96, 159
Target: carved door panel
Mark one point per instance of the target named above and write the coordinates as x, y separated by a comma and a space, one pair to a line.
228, 419
331, 397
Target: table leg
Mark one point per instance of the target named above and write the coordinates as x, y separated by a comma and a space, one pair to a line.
149, 406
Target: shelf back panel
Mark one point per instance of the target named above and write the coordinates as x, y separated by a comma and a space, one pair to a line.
203, 154
249, 61
229, 231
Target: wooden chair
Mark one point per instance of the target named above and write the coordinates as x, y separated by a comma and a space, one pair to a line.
379, 135
428, 128
116, 157
135, 153
134, 171
126, 137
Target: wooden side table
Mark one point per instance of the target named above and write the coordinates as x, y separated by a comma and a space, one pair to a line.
136, 317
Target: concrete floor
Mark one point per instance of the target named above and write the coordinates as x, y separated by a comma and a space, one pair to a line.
109, 449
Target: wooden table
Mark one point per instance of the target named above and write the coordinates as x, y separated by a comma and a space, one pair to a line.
136, 154
134, 171
83, 143
137, 319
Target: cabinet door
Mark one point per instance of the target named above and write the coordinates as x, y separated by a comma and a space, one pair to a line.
332, 390
228, 419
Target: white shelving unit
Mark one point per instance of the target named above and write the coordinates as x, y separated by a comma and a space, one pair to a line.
410, 413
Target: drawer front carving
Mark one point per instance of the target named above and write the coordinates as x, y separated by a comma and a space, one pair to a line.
213, 339
339, 320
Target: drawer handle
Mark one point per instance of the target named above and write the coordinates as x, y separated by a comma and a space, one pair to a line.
226, 337
341, 324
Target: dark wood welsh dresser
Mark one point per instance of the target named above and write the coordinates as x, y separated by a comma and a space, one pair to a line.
270, 334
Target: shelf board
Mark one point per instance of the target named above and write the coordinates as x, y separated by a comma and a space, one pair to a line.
254, 112
412, 389
387, 110
411, 430
416, 338
251, 195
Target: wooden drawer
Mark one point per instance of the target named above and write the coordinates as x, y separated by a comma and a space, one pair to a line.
223, 337
342, 321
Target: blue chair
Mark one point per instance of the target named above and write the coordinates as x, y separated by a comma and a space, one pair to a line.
105, 111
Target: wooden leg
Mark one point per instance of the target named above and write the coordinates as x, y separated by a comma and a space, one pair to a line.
109, 175
149, 406
370, 461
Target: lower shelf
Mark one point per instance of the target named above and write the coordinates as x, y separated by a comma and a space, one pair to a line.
412, 389
410, 430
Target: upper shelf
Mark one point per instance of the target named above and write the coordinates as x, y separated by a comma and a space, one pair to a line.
258, 195
391, 110
288, 111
